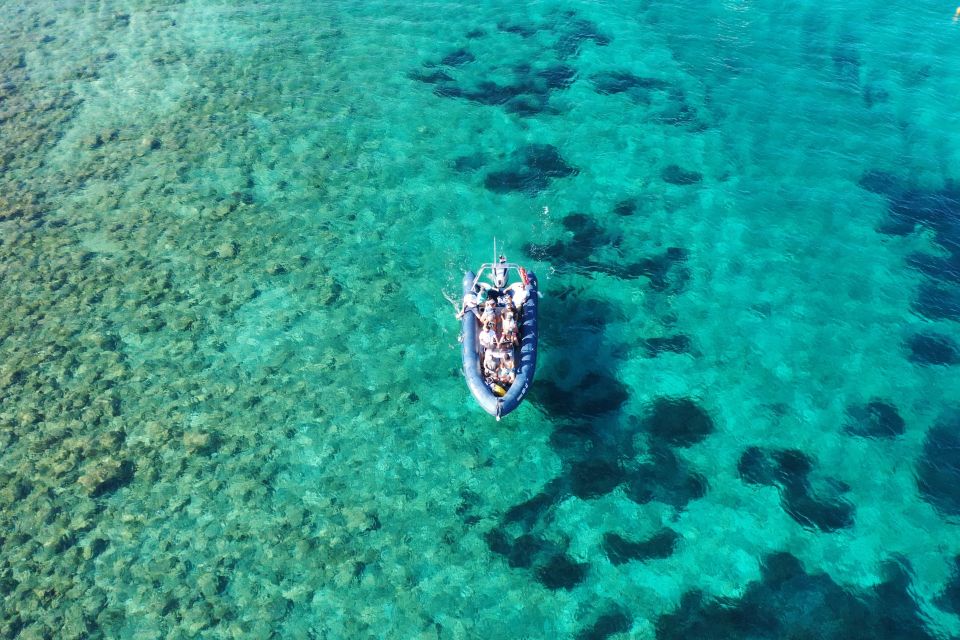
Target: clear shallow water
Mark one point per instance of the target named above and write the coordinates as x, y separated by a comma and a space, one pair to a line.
230, 395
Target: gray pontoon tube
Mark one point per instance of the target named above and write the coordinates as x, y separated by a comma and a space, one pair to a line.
526, 362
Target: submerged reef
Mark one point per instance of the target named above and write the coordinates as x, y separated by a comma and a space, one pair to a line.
938, 469
875, 419
621, 550
910, 207
606, 625
819, 506
678, 422
677, 175
586, 240
599, 456
949, 598
788, 602
933, 349
679, 343
538, 66
530, 170
664, 101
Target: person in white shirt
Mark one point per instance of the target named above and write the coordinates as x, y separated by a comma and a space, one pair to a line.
490, 362
489, 312
470, 302
488, 337
519, 293
507, 373
509, 326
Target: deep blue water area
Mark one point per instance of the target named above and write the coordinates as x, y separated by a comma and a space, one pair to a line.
230, 397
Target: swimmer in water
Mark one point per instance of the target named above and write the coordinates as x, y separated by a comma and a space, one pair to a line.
956, 15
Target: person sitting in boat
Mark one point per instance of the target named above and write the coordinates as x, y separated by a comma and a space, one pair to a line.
509, 328
490, 363
488, 337
489, 314
484, 289
507, 373
519, 293
470, 303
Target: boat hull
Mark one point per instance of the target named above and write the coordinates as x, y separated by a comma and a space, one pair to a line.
526, 358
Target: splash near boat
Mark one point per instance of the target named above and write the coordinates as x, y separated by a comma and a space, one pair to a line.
499, 334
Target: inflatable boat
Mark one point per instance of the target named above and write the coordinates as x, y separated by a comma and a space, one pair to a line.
499, 325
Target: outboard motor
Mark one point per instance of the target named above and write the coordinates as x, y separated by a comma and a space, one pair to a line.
500, 273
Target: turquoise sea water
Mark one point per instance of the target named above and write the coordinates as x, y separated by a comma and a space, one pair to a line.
230, 400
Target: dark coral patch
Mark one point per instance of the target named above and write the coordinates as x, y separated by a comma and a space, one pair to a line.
949, 598
674, 174
614, 82
824, 513
546, 159
939, 211
668, 104
532, 169
559, 76
434, 77
793, 465
528, 93
521, 552
498, 541
756, 467
576, 32
876, 419
790, 603
677, 111
907, 208
587, 238
487, 93
562, 573
939, 303
458, 58
874, 95
620, 550
778, 569
665, 271
447, 91
678, 422
509, 181
595, 477
933, 349
581, 223
578, 322
607, 625
595, 395
846, 61
821, 507
115, 479
665, 479
470, 162
937, 267
576, 440
522, 30
527, 105
533, 509
938, 469
670, 344
880, 182
626, 207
